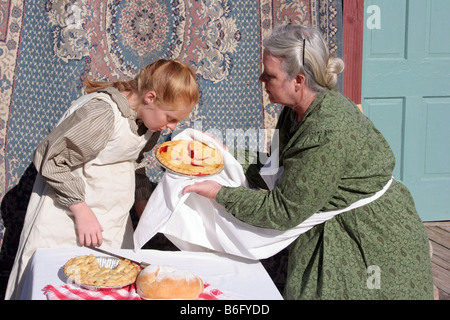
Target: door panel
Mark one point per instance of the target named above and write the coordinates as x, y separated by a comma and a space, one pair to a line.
437, 126
406, 93
388, 115
388, 42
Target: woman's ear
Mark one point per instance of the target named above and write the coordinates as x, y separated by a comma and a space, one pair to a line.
150, 97
299, 81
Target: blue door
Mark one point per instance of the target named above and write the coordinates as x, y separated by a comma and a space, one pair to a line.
406, 93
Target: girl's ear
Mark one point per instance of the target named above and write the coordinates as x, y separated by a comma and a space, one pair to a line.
150, 97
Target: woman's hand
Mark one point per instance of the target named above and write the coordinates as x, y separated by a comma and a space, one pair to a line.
207, 188
89, 230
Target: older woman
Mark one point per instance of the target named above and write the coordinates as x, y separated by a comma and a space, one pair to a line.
332, 156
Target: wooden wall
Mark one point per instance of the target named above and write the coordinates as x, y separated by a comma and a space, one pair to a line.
353, 24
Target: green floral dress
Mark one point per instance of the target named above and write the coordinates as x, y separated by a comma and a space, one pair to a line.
333, 157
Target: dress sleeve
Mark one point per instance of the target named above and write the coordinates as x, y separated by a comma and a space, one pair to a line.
312, 169
78, 139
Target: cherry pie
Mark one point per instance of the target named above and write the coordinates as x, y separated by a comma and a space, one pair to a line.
192, 158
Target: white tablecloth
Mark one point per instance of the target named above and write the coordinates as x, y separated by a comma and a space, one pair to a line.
237, 278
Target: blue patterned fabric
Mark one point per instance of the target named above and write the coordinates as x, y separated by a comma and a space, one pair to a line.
48, 47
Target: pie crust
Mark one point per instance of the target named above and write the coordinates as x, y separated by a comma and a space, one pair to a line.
192, 158
86, 270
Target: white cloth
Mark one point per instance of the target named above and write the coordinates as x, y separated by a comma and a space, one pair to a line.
195, 223
236, 278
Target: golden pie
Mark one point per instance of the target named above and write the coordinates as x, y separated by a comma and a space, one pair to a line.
192, 158
86, 270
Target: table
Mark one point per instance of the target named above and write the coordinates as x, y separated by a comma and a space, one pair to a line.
237, 278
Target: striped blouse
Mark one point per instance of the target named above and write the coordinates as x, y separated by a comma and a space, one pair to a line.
71, 144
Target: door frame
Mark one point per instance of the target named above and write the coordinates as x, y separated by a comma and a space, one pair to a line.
353, 29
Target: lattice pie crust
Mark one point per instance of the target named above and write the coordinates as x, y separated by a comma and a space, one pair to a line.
86, 270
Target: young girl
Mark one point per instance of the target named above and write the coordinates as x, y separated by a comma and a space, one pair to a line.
89, 165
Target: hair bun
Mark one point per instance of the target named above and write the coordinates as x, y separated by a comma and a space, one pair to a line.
335, 66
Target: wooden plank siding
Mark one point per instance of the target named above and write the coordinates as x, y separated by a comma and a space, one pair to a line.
353, 28
439, 235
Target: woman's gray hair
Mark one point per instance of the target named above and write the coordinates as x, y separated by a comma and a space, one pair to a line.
304, 50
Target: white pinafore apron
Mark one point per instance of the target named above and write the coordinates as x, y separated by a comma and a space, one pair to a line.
109, 191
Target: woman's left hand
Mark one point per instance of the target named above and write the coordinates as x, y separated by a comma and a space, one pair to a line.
207, 188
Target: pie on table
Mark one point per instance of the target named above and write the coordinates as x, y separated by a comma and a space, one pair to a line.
86, 270
192, 158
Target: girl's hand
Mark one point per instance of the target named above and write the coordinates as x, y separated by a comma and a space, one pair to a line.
207, 188
89, 230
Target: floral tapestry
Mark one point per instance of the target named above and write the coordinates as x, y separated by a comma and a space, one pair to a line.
48, 47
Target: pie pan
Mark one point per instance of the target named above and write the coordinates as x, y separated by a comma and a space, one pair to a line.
104, 262
188, 175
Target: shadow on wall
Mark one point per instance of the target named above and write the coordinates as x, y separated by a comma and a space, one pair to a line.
13, 209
